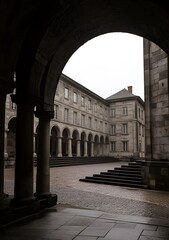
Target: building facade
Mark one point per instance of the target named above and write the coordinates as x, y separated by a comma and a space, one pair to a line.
85, 124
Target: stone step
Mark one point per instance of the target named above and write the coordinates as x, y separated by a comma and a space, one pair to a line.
126, 175
122, 174
111, 176
114, 179
72, 161
135, 185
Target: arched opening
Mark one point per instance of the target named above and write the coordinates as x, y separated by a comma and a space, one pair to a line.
54, 141
96, 146
65, 138
102, 146
82, 145
11, 138
75, 138
90, 145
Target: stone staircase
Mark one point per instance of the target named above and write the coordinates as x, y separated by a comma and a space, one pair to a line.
126, 175
72, 161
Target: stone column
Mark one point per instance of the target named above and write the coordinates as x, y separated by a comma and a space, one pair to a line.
69, 147
23, 189
78, 148
2, 128
59, 147
43, 153
85, 148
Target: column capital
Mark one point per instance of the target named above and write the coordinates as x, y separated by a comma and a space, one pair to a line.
23, 99
44, 114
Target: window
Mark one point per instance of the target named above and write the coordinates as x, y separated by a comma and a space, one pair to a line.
139, 112
124, 128
66, 115
140, 128
83, 120
95, 107
66, 93
125, 146
75, 97
106, 127
125, 111
142, 113
113, 129
101, 125
55, 111
75, 118
89, 104
82, 101
113, 146
90, 122
95, 124
113, 112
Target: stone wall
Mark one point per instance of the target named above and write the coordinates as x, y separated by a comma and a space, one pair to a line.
156, 102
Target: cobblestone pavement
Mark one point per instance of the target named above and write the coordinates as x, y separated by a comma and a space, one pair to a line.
111, 199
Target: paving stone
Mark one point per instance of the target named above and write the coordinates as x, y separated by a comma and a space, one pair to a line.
125, 225
123, 234
80, 221
85, 238
155, 233
95, 231
146, 227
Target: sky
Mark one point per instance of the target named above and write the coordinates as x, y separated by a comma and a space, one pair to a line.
108, 64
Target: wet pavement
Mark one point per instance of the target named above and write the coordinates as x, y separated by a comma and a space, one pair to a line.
94, 211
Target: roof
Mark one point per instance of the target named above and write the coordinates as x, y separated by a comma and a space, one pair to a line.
121, 94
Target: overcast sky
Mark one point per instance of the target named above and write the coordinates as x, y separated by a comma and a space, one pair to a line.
108, 64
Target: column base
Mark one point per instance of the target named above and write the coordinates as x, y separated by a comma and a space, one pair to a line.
23, 202
156, 174
42, 195
59, 155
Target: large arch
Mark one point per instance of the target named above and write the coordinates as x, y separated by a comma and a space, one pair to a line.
45, 35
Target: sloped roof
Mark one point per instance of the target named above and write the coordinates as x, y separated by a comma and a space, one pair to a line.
124, 93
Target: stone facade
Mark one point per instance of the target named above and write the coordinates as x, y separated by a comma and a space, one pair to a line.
83, 124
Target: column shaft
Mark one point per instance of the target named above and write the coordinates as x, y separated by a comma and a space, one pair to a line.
43, 171
69, 147
78, 148
24, 154
85, 148
59, 147
2, 128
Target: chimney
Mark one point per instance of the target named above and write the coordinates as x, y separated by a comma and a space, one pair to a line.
130, 89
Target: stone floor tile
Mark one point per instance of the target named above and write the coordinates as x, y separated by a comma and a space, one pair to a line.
146, 227
83, 212
95, 231
103, 224
152, 238
125, 225
155, 233
165, 229
85, 238
80, 221
72, 229
123, 234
